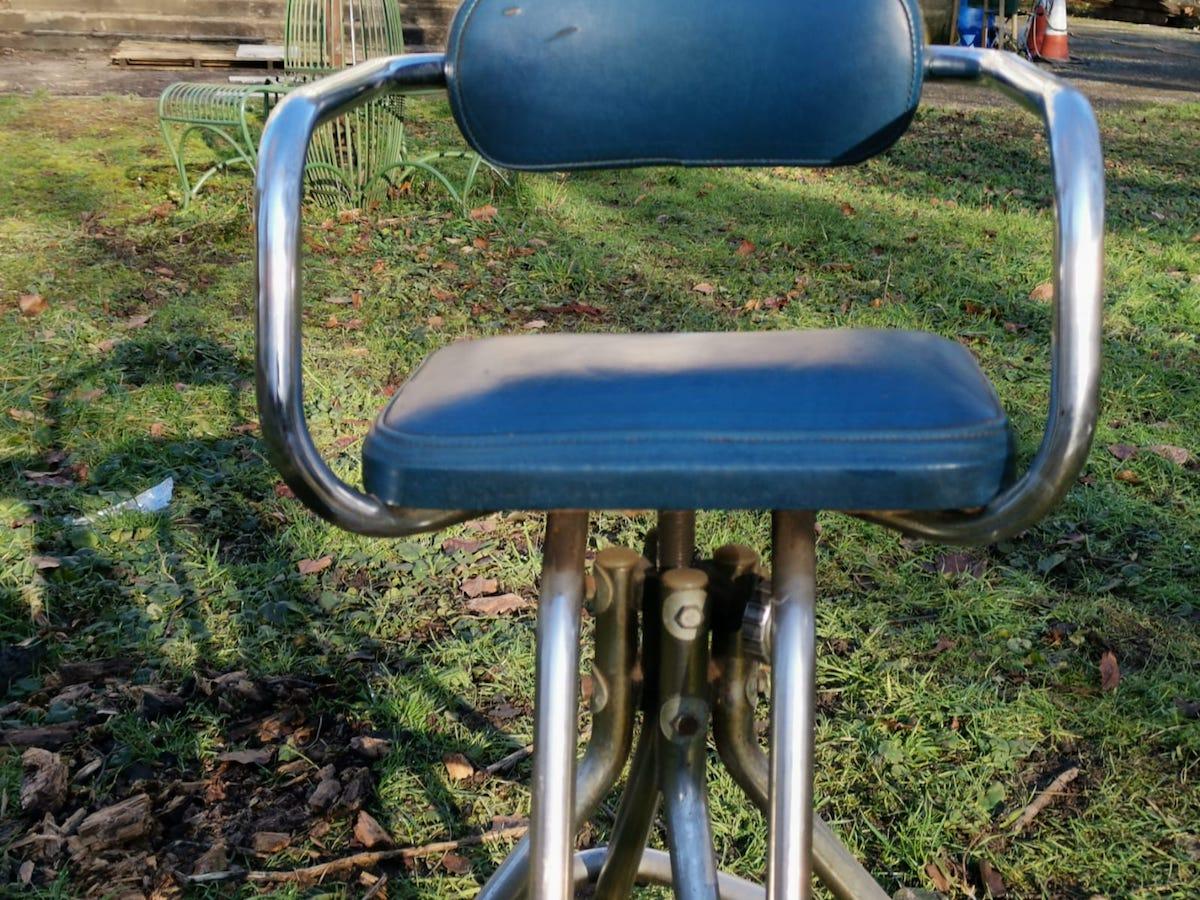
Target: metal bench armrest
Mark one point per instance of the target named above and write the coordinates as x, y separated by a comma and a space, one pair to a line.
278, 195
1078, 171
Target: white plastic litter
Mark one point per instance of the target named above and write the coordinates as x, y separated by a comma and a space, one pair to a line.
155, 499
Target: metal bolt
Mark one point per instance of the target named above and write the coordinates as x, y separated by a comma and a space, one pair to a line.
685, 725
689, 617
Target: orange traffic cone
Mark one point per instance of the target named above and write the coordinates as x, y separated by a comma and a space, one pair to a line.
1047, 34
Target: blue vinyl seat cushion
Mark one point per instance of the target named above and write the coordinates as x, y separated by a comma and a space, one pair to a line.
849, 419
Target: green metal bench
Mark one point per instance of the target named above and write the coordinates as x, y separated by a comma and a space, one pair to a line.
354, 159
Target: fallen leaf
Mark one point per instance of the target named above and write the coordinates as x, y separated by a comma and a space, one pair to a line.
370, 747
1110, 672
991, 880
269, 841
484, 213
312, 566
703, 288
1178, 455
534, 325
745, 248
25, 872
1043, 293
455, 864
1128, 476
477, 585
283, 491
458, 767
498, 605
943, 644
443, 296
45, 562
137, 321
848, 210
435, 321
369, 833
157, 429
466, 545
1122, 451
32, 304
959, 564
258, 757
940, 882
21, 415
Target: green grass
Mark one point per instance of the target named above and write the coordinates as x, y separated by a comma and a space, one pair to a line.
925, 753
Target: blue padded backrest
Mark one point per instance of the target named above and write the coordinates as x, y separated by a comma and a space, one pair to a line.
567, 84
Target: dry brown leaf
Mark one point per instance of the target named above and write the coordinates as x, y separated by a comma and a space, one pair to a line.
370, 747
848, 210
25, 872
1128, 476
535, 325
703, 288
477, 585
1178, 455
991, 880
498, 605
32, 304
369, 833
458, 767
940, 882
745, 248
312, 566
1110, 672
157, 429
258, 757
484, 213
1122, 451
455, 864
1043, 293
137, 321
21, 415
435, 321
269, 841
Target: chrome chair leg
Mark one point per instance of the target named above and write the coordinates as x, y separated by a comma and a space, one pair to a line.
619, 575
793, 706
551, 825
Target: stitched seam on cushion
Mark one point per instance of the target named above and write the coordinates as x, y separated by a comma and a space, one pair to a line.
916, 48
991, 429
468, 13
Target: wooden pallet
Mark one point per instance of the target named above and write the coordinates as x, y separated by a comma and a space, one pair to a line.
176, 55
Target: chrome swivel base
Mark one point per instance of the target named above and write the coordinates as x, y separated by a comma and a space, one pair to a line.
698, 668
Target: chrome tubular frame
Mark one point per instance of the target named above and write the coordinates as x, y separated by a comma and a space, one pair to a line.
1077, 167
279, 191
670, 757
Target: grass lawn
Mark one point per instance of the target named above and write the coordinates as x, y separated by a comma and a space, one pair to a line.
954, 685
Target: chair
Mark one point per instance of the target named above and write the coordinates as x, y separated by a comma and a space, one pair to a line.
900, 428
355, 158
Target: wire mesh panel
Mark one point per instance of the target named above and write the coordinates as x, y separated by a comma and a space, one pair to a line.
348, 155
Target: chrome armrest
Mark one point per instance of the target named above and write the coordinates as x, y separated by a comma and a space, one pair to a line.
278, 193
1078, 170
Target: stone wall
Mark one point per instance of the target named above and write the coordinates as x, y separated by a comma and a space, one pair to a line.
54, 24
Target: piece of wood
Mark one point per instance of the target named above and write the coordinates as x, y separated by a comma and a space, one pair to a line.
1044, 799
337, 867
266, 53
44, 782
49, 736
112, 826
175, 54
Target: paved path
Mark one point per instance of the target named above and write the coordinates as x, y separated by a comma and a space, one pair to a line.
1112, 61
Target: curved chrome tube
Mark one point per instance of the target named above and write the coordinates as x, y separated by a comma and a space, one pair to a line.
278, 194
1078, 170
